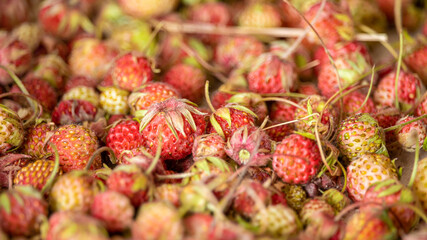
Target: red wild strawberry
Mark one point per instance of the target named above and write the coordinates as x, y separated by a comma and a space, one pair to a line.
229, 118
278, 133
35, 174
13, 13
296, 159
113, 209
269, 74
252, 101
21, 211
282, 111
421, 109
216, 13
16, 56
209, 145
313, 207
84, 143
169, 193
124, 136
408, 135
130, 71
80, 80
149, 94
74, 112
243, 202
333, 25
177, 123
417, 61
219, 98
360, 134
36, 138
308, 89
234, 52
410, 89
353, 101
188, 80
131, 182
367, 170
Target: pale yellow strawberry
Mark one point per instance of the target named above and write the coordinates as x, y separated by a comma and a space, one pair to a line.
82, 93
114, 100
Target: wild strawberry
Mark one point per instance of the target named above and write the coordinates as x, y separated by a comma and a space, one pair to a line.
177, 122
124, 136
169, 193
277, 221
82, 93
188, 80
157, 220
282, 111
263, 15
131, 182
410, 89
198, 225
333, 25
337, 199
80, 80
359, 135
243, 142
269, 74
91, 57
142, 157
36, 138
351, 68
315, 104
209, 145
216, 13
73, 191
243, 202
29, 33
113, 209
114, 100
84, 143
295, 196
279, 133
74, 112
13, 13
35, 174
16, 56
312, 207
9, 166
416, 62
353, 101
21, 211
388, 117
366, 170
389, 192
219, 98
68, 225
252, 101
149, 94
40, 90
236, 52
292, 19
308, 89
408, 135
130, 71
208, 168
229, 118
296, 159
147, 8
370, 225
420, 182
52, 69
191, 197
12, 130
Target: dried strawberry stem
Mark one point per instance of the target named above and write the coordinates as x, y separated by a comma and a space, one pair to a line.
99, 151
345, 176
335, 99
289, 122
175, 176
37, 111
417, 158
208, 99
285, 101
310, 65
371, 84
399, 65
289, 94
54, 172
404, 124
205, 28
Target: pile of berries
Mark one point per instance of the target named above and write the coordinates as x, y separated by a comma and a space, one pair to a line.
160, 119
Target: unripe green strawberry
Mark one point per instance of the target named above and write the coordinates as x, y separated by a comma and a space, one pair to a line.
11, 130
73, 191
312, 207
360, 134
277, 221
114, 100
295, 196
336, 199
158, 220
366, 170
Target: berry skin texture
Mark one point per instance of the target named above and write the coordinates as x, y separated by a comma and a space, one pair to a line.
269, 74
75, 145
21, 211
149, 94
353, 102
124, 136
408, 135
35, 139
360, 134
188, 80
420, 183
366, 170
277, 221
145, 9
226, 120
209, 145
313, 207
130, 71
157, 220
114, 100
262, 15
369, 225
35, 174
296, 159
417, 61
74, 112
82, 93
114, 209
11, 130
244, 203
73, 191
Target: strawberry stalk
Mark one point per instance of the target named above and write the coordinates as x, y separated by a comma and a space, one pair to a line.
97, 152
405, 123
371, 83
417, 158
54, 172
208, 99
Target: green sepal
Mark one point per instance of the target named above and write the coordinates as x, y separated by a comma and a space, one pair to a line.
306, 134
5, 203
406, 196
425, 144
216, 126
391, 190
379, 185
139, 184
